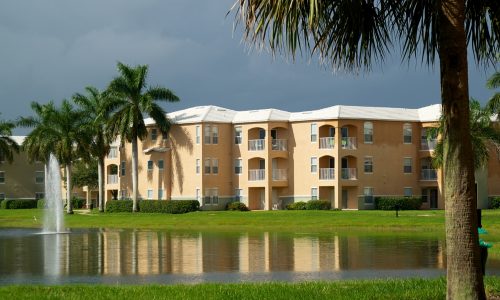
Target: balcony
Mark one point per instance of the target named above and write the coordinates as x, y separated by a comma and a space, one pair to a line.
256, 175
256, 145
327, 173
349, 143
428, 174
279, 144
113, 179
326, 142
349, 173
113, 152
280, 174
426, 144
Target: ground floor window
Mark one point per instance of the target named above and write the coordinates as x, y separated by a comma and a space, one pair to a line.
2, 196
211, 196
38, 195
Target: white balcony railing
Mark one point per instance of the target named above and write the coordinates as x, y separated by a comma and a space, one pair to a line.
349, 143
429, 174
280, 174
112, 179
113, 152
256, 145
426, 144
326, 173
326, 142
349, 173
279, 145
256, 175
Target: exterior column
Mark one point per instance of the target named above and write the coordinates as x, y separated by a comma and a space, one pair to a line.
338, 167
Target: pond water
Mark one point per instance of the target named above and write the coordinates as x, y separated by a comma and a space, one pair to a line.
145, 256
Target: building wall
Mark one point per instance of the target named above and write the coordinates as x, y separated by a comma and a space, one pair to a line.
20, 178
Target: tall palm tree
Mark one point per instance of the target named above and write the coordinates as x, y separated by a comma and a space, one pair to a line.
96, 106
494, 102
135, 99
7, 145
353, 34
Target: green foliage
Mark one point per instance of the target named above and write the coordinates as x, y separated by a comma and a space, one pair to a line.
300, 205
495, 202
85, 174
119, 206
237, 206
18, 204
403, 203
318, 205
41, 204
169, 207
78, 202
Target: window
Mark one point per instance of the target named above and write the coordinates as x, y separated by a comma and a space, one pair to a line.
39, 177
123, 194
314, 164
122, 168
197, 194
407, 165
215, 166
368, 130
2, 177
314, 132
238, 168
113, 152
215, 135
368, 164
160, 164
197, 135
207, 166
211, 196
150, 165
407, 133
160, 194
368, 195
314, 193
197, 166
150, 194
154, 134
408, 192
424, 195
207, 134
238, 135
2, 196
38, 195
237, 194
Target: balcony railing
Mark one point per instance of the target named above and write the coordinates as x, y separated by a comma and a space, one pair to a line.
280, 174
326, 173
429, 174
279, 145
256, 145
349, 143
326, 142
426, 144
256, 175
112, 179
113, 152
349, 173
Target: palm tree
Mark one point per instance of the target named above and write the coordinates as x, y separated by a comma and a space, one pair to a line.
353, 34
7, 145
96, 107
135, 98
494, 102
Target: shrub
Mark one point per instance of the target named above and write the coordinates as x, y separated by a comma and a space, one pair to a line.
403, 203
119, 206
237, 206
495, 202
169, 207
19, 204
78, 202
41, 204
300, 205
318, 205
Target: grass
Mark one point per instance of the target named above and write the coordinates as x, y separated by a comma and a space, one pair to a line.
352, 289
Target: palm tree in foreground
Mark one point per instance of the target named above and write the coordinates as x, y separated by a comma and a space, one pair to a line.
135, 99
7, 145
352, 34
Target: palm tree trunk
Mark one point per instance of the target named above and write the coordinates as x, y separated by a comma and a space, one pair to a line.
134, 174
69, 206
100, 179
464, 278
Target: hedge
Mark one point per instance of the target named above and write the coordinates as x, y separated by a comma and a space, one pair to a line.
403, 203
18, 203
41, 204
300, 205
237, 206
318, 205
169, 207
495, 202
78, 202
119, 206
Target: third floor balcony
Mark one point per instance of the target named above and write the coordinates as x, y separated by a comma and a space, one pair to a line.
256, 175
326, 142
256, 145
428, 144
349, 173
428, 174
349, 143
327, 173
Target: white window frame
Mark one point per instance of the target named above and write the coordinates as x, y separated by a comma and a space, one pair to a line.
197, 194
198, 166
406, 159
150, 194
215, 166
37, 177
207, 166
122, 168
238, 166
162, 165
160, 194
314, 132
408, 188
314, 164
238, 135
198, 137
215, 134
211, 196
154, 134
370, 159
207, 139
314, 193
407, 127
368, 131
150, 165
368, 192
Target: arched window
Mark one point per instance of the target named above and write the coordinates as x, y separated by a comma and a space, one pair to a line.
368, 130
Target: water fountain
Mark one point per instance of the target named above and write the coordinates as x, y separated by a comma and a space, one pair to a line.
53, 221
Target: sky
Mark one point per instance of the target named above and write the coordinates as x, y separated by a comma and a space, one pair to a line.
51, 49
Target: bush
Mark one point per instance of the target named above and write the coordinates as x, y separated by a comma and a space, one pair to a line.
301, 205
119, 206
318, 205
237, 206
495, 202
41, 204
19, 204
169, 207
403, 203
78, 202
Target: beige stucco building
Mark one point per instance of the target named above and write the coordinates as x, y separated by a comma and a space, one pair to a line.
268, 158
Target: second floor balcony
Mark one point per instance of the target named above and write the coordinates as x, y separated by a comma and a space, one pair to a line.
279, 144
426, 144
280, 174
256, 175
113, 179
428, 174
327, 173
256, 145
349, 173
326, 142
349, 143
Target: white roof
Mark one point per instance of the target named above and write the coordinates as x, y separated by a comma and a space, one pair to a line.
216, 114
19, 139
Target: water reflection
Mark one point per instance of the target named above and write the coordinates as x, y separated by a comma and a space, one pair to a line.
134, 252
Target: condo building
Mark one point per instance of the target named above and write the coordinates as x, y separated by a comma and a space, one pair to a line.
268, 158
